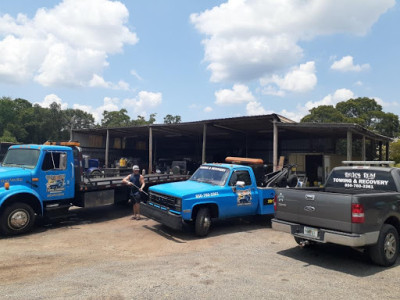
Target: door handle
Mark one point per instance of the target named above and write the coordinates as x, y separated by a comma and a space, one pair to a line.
310, 197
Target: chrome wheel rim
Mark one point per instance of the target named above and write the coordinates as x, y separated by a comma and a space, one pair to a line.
18, 219
390, 246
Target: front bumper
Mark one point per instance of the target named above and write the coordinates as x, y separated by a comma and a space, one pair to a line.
160, 215
327, 236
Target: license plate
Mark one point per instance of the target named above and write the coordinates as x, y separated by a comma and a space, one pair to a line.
311, 231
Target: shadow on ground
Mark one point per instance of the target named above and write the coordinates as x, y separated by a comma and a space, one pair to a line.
219, 227
335, 257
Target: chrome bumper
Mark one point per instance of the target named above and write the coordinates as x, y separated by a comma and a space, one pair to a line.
327, 236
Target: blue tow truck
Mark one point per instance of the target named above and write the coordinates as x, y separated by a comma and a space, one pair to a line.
216, 191
46, 180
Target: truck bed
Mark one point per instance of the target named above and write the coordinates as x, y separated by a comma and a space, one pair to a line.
109, 182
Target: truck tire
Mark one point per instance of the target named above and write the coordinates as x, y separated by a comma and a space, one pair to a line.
203, 222
16, 219
386, 250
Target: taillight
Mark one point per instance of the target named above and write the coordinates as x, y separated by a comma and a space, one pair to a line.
357, 213
275, 199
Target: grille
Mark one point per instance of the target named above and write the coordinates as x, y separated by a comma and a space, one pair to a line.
166, 201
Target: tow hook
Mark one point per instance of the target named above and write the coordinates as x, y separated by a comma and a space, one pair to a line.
304, 243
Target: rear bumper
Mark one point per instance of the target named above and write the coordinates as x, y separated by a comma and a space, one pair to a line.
163, 216
327, 236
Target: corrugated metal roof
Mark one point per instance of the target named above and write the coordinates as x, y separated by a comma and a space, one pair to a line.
247, 125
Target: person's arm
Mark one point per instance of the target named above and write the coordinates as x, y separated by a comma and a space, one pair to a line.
141, 179
127, 181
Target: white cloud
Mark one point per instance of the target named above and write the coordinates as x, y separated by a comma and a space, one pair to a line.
254, 108
143, 102
294, 115
246, 40
239, 94
136, 75
109, 104
346, 65
299, 79
331, 99
208, 109
64, 45
338, 96
384, 104
49, 99
98, 81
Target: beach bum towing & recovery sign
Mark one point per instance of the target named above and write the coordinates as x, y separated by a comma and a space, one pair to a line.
361, 180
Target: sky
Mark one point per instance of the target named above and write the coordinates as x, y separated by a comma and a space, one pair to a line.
200, 59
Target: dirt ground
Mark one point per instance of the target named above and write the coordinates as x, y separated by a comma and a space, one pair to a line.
102, 254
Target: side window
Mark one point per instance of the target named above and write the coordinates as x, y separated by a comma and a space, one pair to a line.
240, 176
54, 161
233, 179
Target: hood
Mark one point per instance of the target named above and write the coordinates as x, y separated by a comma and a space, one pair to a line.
8, 173
185, 188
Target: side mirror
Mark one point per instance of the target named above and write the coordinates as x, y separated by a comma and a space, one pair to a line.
240, 184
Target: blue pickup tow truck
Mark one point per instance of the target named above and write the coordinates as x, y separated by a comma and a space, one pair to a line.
216, 191
46, 180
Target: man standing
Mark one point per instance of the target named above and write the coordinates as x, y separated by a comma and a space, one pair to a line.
136, 181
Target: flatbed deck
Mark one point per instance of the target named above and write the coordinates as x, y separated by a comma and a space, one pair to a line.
111, 182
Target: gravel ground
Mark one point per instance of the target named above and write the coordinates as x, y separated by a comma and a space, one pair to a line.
103, 254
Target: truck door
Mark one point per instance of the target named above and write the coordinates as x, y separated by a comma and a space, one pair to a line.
56, 181
244, 199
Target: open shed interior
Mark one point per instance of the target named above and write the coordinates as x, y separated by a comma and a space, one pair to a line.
314, 148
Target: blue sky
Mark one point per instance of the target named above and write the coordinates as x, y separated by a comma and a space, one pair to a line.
200, 59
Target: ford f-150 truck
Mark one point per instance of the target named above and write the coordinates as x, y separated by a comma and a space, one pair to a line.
46, 180
214, 191
359, 206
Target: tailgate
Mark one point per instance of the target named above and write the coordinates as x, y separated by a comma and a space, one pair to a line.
314, 208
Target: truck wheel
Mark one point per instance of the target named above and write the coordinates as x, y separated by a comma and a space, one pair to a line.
16, 219
386, 250
203, 222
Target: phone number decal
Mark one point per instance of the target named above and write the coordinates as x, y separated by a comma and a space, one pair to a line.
206, 195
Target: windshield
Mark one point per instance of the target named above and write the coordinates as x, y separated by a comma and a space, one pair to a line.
211, 174
24, 158
361, 179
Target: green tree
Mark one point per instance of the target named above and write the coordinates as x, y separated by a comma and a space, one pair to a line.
76, 119
116, 118
363, 111
394, 151
142, 121
7, 137
324, 114
170, 119
386, 124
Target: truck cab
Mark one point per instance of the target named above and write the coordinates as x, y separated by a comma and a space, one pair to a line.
214, 191
31, 178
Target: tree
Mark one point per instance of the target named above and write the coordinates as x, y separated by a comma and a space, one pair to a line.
7, 137
170, 119
394, 151
324, 114
363, 111
76, 119
142, 121
386, 124
116, 118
